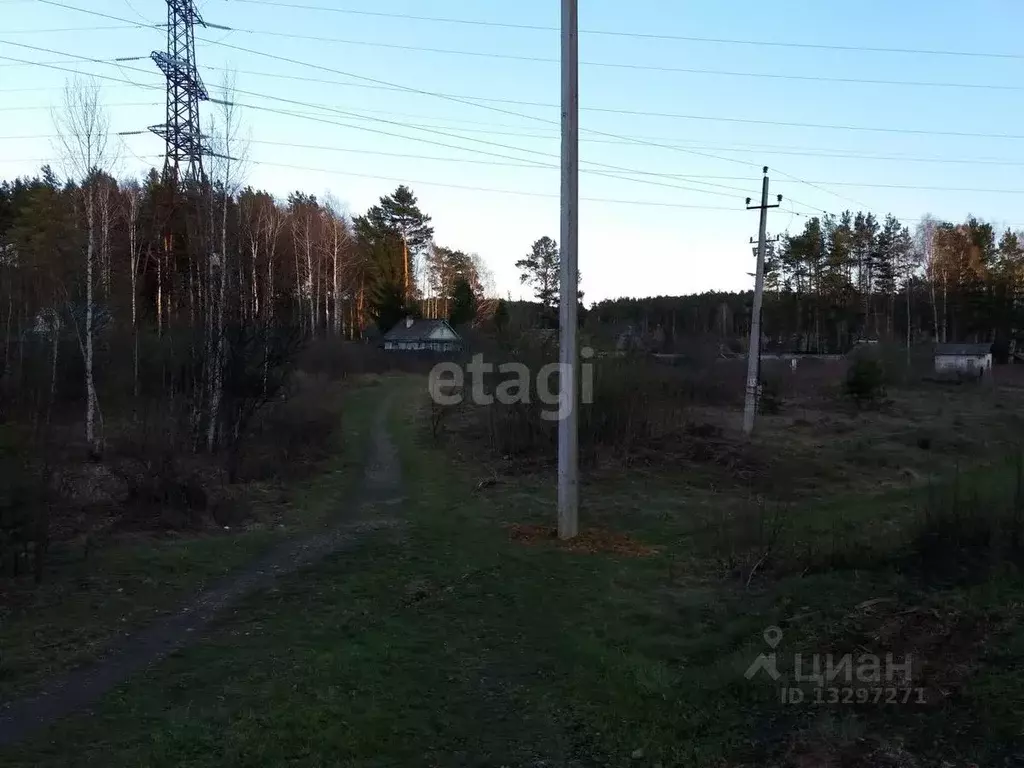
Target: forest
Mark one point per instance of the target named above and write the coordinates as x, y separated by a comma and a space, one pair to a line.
154, 329
198, 289
849, 277
134, 260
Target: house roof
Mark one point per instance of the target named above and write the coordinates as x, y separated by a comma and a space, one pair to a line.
418, 331
963, 349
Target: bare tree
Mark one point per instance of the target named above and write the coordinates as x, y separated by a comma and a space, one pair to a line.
105, 190
132, 202
228, 169
249, 217
338, 241
272, 221
926, 248
303, 244
907, 261
83, 142
50, 318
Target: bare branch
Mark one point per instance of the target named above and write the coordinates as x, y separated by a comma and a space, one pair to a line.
230, 162
83, 131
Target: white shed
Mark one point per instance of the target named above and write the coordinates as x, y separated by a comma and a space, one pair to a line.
963, 360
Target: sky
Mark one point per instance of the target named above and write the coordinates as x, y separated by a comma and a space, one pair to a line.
686, 147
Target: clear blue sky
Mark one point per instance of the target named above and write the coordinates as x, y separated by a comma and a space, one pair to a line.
625, 249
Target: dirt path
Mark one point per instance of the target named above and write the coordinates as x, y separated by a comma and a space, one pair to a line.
82, 688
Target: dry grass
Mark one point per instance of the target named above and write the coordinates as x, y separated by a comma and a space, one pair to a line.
653, 417
590, 541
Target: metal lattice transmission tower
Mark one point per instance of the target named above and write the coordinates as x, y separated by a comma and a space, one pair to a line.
181, 132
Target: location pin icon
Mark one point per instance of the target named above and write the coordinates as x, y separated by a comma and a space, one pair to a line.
773, 636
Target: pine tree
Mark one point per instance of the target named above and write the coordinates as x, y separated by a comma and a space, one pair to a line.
464, 302
400, 213
541, 269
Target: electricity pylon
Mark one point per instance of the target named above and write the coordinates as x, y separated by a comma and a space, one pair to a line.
185, 89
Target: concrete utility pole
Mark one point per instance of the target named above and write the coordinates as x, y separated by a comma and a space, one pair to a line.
754, 350
568, 436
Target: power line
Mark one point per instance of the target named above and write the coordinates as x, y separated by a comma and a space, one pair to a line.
780, 149
645, 35
498, 191
464, 187
666, 175
631, 140
532, 117
390, 86
814, 185
826, 191
56, 4
518, 149
61, 88
539, 166
478, 151
630, 112
606, 110
108, 62
48, 108
471, 103
25, 62
534, 165
639, 67
65, 29
57, 135
133, 10
432, 131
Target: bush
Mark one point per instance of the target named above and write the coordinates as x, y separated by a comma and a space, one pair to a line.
638, 409
770, 401
865, 381
24, 507
972, 522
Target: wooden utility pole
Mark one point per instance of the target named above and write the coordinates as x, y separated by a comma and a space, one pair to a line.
754, 348
568, 436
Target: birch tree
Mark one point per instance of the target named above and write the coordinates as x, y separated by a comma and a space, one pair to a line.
926, 248
339, 244
229, 160
83, 143
131, 203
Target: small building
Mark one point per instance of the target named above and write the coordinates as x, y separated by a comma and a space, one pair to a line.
963, 360
422, 336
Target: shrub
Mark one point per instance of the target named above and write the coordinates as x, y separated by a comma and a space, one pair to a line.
972, 521
24, 507
638, 408
865, 381
259, 362
770, 401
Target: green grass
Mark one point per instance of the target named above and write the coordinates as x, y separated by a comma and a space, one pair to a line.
445, 644
84, 603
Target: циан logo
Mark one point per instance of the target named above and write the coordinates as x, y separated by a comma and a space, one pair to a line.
767, 662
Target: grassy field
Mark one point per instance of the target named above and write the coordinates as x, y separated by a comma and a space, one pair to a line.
88, 600
468, 638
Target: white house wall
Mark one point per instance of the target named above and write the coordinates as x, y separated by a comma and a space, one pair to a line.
443, 333
962, 363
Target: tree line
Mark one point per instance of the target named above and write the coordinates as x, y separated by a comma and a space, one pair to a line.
850, 277
195, 274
